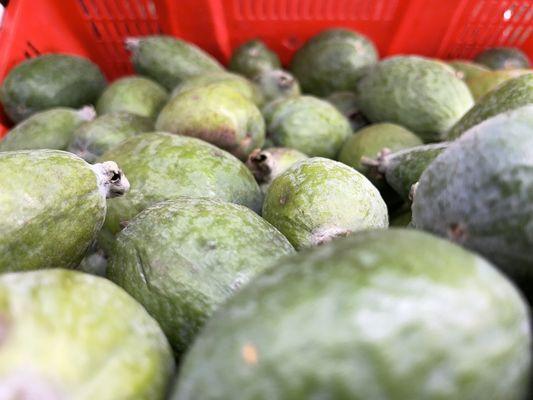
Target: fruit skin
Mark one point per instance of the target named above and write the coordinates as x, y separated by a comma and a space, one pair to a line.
307, 124
94, 138
417, 93
277, 84
162, 166
72, 335
182, 258
503, 58
333, 60
479, 192
133, 94
169, 61
484, 82
466, 69
56, 190
357, 319
217, 114
318, 199
346, 103
252, 58
50, 129
48, 81
512, 94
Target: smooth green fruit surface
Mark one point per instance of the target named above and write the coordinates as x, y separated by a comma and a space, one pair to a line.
163, 166
52, 205
333, 60
417, 93
318, 199
94, 138
69, 335
169, 61
346, 103
484, 82
48, 81
217, 114
512, 94
277, 84
503, 58
307, 124
133, 94
51, 129
479, 192
182, 258
252, 58
466, 69
390, 314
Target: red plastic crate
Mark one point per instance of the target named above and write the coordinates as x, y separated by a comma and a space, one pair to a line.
97, 28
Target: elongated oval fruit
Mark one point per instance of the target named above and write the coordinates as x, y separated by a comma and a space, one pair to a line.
252, 58
333, 60
182, 258
512, 94
167, 60
479, 192
318, 199
48, 81
307, 124
94, 138
417, 93
69, 335
277, 84
483, 83
162, 166
503, 58
217, 114
390, 314
51, 129
133, 94
52, 205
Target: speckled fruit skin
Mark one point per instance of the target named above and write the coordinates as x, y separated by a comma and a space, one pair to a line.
466, 69
402, 169
479, 192
277, 84
514, 93
162, 166
483, 83
307, 124
51, 129
133, 94
417, 93
182, 258
169, 61
503, 58
234, 81
318, 199
346, 103
217, 114
359, 319
69, 335
252, 58
333, 60
94, 138
48, 81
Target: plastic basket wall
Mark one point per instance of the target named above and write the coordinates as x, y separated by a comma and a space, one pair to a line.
97, 28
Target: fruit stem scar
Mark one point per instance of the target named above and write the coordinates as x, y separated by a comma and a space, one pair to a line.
457, 232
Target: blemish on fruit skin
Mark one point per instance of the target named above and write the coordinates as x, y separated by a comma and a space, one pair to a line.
457, 232
283, 199
249, 354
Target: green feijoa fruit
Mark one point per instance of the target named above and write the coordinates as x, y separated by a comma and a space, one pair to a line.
466, 69
333, 60
217, 114
415, 92
252, 58
182, 258
162, 166
318, 199
346, 103
512, 94
479, 192
277, 84
52, 205
169, 61
94, 138
48, 81
51, 129
391, 314
133, 94
307, 124
69, 335
503, 58
483, 83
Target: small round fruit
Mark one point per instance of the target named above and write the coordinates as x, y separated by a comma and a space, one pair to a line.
277, 84
252, 58
503, 58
